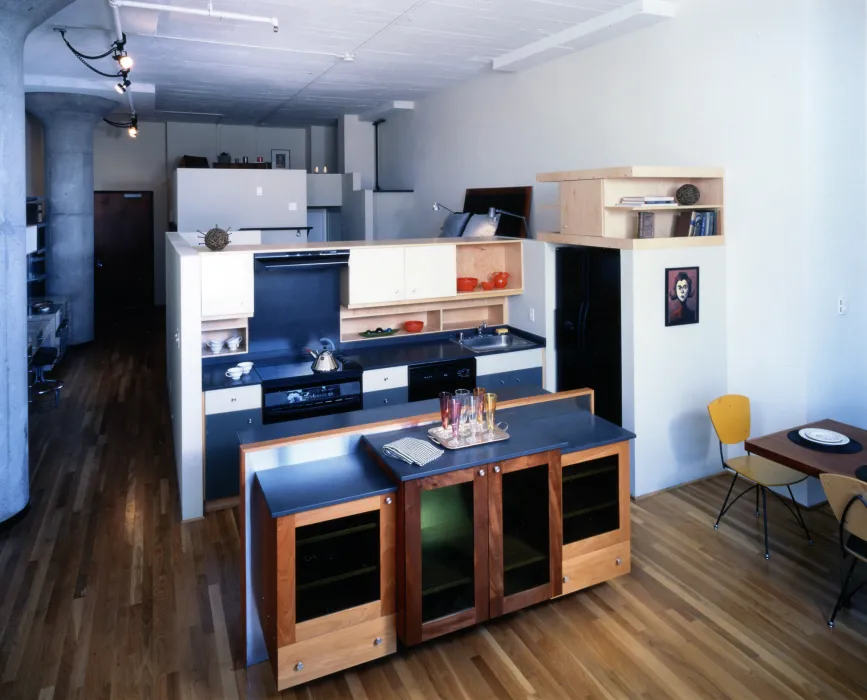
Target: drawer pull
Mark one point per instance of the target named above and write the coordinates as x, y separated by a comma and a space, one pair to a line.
618, 561
565, 579
250, 421
496, 470
377, 641
385, 401
388, 500
481, 472
518, 380
233, 399
299, 666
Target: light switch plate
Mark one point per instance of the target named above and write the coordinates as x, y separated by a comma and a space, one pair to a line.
293, 206
259, 191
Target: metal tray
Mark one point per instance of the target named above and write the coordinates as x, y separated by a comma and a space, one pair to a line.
466, 438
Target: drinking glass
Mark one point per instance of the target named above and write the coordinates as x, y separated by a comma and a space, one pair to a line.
463, 395
479, 393
471, 411
445, 399
490, 410
455, 405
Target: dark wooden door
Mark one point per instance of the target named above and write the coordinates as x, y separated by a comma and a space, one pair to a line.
123, 251
525, 547
443, 566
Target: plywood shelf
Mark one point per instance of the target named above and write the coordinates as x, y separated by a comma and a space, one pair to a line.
631, 243
223, 329
663, 207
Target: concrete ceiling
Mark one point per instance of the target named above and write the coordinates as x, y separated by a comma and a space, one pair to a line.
205, 69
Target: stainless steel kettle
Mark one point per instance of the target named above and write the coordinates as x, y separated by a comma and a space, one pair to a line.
324, 360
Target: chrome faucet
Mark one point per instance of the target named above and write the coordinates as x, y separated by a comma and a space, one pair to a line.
482, 327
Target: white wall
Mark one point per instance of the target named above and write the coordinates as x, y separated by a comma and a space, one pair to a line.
356, 214
122, 163
393, 215
321, 148
774, 93
355, 141
395, 160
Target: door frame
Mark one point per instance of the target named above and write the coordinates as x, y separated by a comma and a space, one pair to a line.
409, 575
501, 604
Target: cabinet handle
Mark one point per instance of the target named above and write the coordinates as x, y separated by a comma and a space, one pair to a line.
518, 380
481, 472
385, 380
385, 401
233, 399
250, 421
388, 500
502, 381
565, 579
496, 470
377, 641
299, 666
618, 561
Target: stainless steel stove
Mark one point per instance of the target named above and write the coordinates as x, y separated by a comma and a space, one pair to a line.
292, 390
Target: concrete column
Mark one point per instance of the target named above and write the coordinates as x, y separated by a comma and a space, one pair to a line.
68, 121
17, 20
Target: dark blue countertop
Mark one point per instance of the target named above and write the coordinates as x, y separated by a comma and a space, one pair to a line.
403, 351
277, 431
322, 483
563, 425
214, 377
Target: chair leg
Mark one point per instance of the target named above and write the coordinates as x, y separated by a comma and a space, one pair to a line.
765, 514
723, 509
757, 503
843, 596
800, 516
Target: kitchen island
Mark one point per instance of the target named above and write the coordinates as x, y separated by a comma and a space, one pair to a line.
347, 550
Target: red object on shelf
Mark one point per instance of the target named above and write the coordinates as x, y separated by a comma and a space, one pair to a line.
413, 326
487, 286
467, 284
500, 279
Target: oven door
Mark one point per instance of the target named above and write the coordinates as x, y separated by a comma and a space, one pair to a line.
282, 403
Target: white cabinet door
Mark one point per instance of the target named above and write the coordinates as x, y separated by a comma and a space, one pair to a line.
431, 271
227, 284
376, 275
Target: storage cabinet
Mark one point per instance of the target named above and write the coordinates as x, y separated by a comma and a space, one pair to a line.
227, 284
222, 451
431, 271
376, 275
324, 582
385, 397
522, 377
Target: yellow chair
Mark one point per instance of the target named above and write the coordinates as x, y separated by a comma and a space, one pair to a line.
730, 415
848, 500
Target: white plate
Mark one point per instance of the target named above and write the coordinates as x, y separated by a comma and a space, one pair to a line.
823, 437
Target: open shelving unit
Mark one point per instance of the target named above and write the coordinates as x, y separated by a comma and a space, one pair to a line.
437, 317
591, 213
222, 329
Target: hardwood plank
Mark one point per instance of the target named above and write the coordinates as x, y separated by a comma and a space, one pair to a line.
285, 580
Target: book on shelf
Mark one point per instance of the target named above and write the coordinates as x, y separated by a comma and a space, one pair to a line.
695, 223
647, 199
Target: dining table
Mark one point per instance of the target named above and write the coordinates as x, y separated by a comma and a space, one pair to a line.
785, 447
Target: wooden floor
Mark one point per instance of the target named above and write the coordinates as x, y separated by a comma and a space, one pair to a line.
105, 594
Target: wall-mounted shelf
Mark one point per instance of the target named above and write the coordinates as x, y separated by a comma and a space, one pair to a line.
591, 213
223, 329
438, 316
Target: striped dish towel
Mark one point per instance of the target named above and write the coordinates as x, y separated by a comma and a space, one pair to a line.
412, 451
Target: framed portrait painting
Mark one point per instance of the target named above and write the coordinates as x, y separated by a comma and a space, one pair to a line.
681, 296
279, 159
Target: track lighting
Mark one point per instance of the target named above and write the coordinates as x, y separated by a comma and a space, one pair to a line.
122, 86
133, 131
123, 59
131, 126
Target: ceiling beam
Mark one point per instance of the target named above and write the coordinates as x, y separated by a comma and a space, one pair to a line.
385, 109
609, 25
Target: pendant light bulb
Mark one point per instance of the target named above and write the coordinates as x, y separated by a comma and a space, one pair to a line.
125, 61
133, 131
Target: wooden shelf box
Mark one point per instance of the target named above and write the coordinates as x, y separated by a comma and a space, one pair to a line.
224, 329
484, 259
591, 214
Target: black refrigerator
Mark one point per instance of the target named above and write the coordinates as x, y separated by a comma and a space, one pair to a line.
587, 326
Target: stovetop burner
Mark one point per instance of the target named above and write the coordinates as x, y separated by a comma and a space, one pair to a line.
302, 367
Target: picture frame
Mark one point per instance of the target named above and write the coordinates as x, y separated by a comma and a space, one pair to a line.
280, 159
682, 290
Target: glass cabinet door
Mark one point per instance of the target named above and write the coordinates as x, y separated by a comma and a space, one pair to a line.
591, 498
336, 565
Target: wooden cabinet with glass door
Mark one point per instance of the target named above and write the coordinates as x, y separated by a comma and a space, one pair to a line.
595, 507
324, 585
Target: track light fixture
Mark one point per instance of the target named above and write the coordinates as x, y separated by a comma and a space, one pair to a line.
123, 59
131, 126
122, 86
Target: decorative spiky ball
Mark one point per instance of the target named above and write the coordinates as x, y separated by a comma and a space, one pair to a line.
216, 238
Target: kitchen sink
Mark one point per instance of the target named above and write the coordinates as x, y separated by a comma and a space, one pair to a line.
491, 343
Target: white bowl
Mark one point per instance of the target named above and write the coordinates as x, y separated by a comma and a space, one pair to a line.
234, 373
245, 367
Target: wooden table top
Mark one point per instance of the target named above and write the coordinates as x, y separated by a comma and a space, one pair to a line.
779, 448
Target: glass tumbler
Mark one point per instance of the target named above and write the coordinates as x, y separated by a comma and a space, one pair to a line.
455, 405
463, 395
471, 410
490, 410
445, 399
479, 393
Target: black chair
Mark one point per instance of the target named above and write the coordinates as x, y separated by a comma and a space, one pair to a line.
44, 359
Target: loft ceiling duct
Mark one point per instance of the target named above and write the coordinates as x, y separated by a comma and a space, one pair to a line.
208, 12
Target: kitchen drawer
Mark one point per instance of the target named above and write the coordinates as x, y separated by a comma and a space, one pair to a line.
241, 398
329, 653
596, 567
386, 378
386, 397
509, 361
492, 382
527, 377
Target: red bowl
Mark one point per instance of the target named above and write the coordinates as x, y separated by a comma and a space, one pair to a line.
467, 284
413, 326
487, 286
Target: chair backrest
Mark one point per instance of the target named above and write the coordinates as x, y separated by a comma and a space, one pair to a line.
730, 415
840, 491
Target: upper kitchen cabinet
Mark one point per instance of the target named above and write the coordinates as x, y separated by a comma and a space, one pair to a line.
430, 271
227, 284
375, 276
